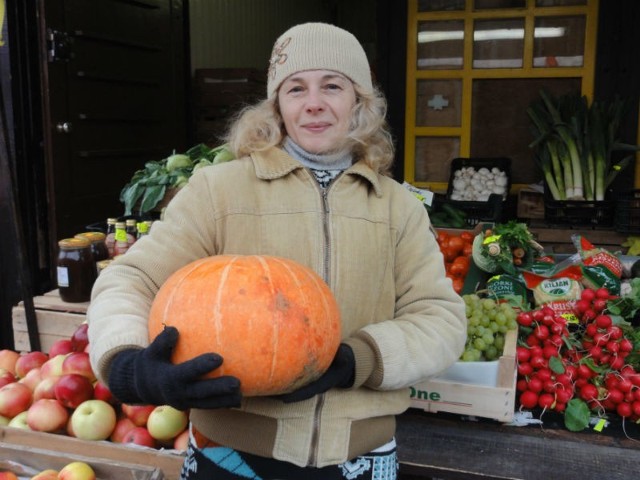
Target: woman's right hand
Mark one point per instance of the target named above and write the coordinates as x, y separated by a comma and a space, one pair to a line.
148, 376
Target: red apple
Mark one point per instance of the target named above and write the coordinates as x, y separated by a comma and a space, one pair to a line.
8, 359
19, 421
53, 366
32, 378
140, 436
78, 362
102, 392
61, 346
181, 442
93, 420
14, 398
165, 422
123, 425
77, 471
72, 389
6, 377
79, 338
46, 388
7, 475
28, 361
47, 415
139, 414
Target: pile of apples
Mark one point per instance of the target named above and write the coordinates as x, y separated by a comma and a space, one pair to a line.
57, 392
71, 471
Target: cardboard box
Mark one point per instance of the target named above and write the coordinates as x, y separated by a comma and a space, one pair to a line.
56, 320
477, 397
115, 460
530, 204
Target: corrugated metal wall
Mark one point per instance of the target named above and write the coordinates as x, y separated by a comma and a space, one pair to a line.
240, 33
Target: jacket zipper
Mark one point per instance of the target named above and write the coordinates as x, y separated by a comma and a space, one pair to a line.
313, 456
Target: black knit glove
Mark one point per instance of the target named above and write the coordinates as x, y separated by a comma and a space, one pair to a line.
340, 374
148, 376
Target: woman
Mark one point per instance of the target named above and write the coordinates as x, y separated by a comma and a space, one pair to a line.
310, 184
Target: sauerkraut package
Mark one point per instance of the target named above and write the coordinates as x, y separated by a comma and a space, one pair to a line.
600, 268
558, 284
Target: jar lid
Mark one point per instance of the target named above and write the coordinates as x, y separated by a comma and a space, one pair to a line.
131, 222
69, 243
93, 237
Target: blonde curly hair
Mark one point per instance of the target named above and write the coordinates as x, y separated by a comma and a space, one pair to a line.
259, 127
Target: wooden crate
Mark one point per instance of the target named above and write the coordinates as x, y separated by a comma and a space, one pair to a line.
26, 461
494, 402
113, 461
56, 320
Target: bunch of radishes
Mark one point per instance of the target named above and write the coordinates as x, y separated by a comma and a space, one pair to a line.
577, 365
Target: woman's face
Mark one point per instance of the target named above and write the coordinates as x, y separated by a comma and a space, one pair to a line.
316, 108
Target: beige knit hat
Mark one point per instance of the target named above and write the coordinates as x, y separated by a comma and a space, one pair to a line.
318, 46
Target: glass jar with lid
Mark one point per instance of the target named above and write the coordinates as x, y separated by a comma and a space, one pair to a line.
98, 245
76, 269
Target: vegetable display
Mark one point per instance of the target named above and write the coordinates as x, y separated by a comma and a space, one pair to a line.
274, 321
574, 144
471, 184
149, 185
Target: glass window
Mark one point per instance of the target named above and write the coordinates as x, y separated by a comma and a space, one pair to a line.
559, 41
500, 126
440, 5
440, 44
439, 103
433, 158
485, 4
498, 43
559, 3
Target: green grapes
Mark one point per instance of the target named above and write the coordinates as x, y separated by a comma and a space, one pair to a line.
488, 321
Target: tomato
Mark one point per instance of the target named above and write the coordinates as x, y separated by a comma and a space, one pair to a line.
458, 284
467, 237
467, 250
442, 237
449, 254
456, 243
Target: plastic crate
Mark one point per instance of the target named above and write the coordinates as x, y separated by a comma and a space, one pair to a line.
627, 218
475, 212
579, 213
501, 163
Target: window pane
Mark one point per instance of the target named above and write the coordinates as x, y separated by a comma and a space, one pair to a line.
559, 42
440, 45
433, 158
439, 103
559, 3
484, 4
435, 5
500, 126
498, 43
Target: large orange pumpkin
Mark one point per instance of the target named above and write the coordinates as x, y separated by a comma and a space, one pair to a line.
274, 321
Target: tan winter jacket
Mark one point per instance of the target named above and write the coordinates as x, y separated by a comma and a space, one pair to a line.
367, 236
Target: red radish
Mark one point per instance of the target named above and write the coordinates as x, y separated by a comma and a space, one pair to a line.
529, 399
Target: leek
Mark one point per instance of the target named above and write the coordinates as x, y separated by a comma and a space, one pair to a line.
574, 143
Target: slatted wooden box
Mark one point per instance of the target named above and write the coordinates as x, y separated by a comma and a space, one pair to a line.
56, 320
474, 398
111, 461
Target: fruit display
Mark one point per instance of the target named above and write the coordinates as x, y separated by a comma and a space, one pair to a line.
75, 470
274, 321
57, 392
488, 321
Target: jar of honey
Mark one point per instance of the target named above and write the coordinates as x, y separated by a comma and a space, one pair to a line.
76, 269
98, 245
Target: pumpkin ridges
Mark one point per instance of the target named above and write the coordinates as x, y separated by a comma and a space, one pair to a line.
286, 297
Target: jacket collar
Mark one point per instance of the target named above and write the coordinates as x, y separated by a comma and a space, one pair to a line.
276, 163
